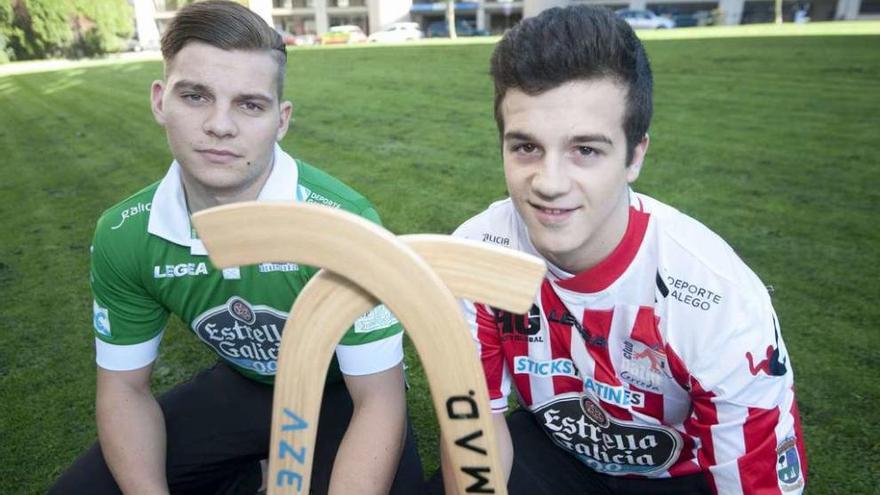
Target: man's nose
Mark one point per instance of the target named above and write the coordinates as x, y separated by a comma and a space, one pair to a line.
551, 179
220, 122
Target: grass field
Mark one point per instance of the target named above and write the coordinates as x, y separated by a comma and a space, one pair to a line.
769, 139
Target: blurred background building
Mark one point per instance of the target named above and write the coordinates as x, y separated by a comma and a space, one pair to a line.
313, 17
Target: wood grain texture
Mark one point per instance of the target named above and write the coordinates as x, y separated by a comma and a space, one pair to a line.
377, 266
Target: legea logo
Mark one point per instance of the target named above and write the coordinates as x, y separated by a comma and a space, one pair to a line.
180, 270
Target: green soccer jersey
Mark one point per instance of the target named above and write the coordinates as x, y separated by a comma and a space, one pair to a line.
147, 263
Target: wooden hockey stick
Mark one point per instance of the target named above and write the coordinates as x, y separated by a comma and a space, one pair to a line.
312, 235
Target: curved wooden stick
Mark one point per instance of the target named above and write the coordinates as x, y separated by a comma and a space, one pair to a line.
331, 302
426, 309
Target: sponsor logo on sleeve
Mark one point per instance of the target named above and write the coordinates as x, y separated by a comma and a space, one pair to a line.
130, 212
180, 270
788, 465
644, 367
101, 319
244, 334
278, 267
303, 193
376, 319
555, 367
496, 239
773, 363
579, 425
688, 293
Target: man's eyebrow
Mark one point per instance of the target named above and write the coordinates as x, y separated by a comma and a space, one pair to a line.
183, 84
518, 136
255, 96
592, 138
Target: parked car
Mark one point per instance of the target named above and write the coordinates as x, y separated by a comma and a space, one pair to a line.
645, 19
341, 35
399, 31
439, 29
306, 39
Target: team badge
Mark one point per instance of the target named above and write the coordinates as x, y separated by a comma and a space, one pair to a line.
101, 319
788, 465
240, 310
644, 367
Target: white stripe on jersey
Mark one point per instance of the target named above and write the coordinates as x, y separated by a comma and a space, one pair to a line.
728, 444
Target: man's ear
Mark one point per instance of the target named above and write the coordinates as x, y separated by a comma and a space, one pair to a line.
635, 166
157, 91
284, 116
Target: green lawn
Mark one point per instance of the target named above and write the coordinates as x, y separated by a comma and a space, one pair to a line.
769, 138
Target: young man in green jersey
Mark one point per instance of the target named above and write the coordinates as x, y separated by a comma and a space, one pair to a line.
220, 104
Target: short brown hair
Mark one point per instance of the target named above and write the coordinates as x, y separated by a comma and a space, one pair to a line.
578, 42
226, 25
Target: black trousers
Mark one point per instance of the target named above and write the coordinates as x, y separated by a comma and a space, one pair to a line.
542, 468
218, 426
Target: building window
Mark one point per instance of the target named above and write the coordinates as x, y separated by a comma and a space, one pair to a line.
297, 24
347, 3
344, 20
293, 4
499, 23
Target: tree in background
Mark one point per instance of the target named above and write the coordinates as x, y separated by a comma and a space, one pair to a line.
5, 30
101, 26
34, 29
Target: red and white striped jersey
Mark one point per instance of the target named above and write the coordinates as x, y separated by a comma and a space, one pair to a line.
663, 360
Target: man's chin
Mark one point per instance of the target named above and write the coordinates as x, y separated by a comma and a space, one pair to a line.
553, 248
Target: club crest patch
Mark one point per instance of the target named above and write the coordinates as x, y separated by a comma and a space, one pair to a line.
644, 367
788, 465
101, 319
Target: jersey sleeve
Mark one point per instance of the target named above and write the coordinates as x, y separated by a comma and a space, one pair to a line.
128, 322
483, 328
375, 341
744, 408
373, 344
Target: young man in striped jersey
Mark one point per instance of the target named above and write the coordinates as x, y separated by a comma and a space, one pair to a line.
222, 109
652, 360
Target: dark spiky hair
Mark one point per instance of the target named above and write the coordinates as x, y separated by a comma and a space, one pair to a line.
576, 43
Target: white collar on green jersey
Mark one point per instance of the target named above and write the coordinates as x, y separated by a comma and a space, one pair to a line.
169, 216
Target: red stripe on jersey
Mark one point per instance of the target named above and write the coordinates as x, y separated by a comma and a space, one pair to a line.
700, 425
683, 466
798, 435
509, 328
491, 356
560, 338
678, 369
601, 276
757, 468
645, 331
597, 324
